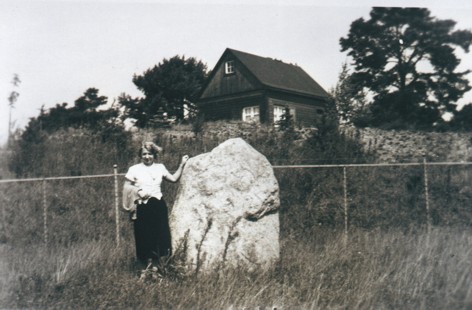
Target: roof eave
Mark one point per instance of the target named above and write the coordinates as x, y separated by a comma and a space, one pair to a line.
295, 92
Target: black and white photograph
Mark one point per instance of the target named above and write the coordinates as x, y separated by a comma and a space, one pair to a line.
247, 154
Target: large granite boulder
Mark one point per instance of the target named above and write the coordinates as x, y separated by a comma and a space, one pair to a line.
226, 210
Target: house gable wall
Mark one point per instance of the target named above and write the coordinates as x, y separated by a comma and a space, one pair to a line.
222, 84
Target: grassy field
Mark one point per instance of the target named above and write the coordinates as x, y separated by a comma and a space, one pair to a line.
371, 270
388, 261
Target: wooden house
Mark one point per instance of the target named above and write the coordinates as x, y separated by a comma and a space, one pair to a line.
247, 87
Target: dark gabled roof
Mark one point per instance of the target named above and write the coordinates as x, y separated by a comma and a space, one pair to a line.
277, 74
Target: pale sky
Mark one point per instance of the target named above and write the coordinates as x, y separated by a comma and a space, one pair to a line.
61, 48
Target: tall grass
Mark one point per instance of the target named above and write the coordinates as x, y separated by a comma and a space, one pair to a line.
374, 270
388, 261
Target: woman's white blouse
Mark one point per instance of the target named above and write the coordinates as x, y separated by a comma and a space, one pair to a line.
148, 178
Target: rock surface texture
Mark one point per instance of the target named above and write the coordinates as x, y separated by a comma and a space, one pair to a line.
226, 210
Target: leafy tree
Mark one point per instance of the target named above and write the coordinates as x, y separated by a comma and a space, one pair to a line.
404, 58
89, 111
462, 119
90, 115
286, 125
90, 101
286, 121
350, 105
86, 113
166, 87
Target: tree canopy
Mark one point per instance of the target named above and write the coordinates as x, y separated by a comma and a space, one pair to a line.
90, 116
88, 112
166, 88
404, 60
350, 104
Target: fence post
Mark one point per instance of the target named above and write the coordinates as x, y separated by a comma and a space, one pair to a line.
117, 210
345, 204
426, 195
45, 213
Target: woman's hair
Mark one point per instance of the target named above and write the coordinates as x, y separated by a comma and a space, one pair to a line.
151, 147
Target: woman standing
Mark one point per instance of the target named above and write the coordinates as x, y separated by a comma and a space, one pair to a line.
142, 197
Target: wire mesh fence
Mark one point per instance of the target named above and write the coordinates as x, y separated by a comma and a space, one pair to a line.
58, 211
379, 196
66, 210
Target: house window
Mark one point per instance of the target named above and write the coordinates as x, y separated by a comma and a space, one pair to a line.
229, 67
280, 110
251, 114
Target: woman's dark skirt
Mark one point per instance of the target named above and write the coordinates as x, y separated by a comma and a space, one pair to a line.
151, 230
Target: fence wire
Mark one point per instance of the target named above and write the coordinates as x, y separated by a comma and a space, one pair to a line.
65, 210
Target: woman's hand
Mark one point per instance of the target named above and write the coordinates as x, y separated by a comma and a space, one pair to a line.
184, 160
176, 176
143, 194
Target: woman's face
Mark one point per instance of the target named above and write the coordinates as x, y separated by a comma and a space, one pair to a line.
147, 157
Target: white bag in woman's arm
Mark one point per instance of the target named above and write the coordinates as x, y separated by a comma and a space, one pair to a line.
130, 198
